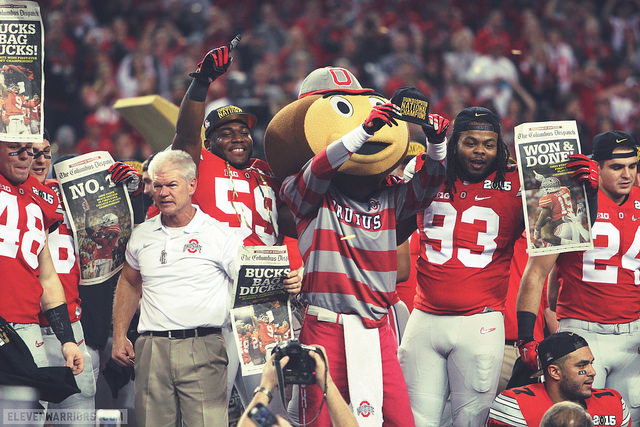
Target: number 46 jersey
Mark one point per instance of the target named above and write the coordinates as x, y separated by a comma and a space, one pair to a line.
466, 245
607, 276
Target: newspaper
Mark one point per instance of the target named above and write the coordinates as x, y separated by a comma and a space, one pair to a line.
556, 211
261, 313
21, 71
100, 214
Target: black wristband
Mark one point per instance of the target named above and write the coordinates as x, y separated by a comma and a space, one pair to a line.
526, 325
58, 318
197, 90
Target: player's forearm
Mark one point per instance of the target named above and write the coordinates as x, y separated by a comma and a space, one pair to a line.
339, 412
190, 117
52, 291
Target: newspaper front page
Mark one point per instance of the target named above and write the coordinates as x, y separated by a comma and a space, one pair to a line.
261, 313
100, 214
21, 71
556, 211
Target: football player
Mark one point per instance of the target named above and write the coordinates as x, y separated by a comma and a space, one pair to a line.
600, 295
567, 366
232, 187
454, 341
30, 283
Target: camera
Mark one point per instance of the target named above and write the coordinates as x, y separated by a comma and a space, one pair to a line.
301, 368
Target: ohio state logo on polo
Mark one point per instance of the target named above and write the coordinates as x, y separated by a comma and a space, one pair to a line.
365, 409
192, 247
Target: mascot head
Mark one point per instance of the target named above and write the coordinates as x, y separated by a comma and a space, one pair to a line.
332, 103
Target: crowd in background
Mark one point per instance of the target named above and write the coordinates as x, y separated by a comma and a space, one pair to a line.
528, 60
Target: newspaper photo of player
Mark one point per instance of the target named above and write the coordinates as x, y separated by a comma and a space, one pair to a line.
100, 214
21, 71
556, 208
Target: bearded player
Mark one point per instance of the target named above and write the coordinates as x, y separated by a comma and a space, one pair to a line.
454, 341
567, 366
232, 187
600, 293
27, 211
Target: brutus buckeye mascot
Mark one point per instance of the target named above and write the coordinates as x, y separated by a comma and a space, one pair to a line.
333, 149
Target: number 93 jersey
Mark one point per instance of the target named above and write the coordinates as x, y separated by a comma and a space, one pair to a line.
466, 245
607, 276
26, 213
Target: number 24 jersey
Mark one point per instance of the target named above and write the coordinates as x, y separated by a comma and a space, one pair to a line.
466, 245
603, 284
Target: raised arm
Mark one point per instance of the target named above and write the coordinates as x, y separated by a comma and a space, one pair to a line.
214, 64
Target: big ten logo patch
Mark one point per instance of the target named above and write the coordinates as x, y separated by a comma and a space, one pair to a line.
365, 409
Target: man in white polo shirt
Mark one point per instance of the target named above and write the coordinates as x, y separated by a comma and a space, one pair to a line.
180, 264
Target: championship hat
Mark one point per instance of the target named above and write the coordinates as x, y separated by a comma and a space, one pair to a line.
469, 115
604, 144
558, 345
226, 114
330, 79
413, 104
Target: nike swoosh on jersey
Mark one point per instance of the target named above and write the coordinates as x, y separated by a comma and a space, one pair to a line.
633, 218
484, 330
482, 198
39, 344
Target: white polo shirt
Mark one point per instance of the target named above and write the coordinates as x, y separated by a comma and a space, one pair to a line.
186, 272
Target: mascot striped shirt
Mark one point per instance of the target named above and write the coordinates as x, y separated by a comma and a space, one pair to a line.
349, 246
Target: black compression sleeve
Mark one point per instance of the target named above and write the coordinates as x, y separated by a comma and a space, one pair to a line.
58, 318
526, 324
197, 90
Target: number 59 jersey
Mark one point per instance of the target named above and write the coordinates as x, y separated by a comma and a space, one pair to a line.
603, 284
466, 245
26, 213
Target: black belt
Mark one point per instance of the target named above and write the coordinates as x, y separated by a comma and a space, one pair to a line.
510, 342
184, 333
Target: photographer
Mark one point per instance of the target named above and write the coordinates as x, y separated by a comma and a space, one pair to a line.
341, 415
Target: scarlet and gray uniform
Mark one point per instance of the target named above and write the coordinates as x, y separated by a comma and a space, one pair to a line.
454, 340
66, 264
349, 252
599, 297
26, 212
525, 406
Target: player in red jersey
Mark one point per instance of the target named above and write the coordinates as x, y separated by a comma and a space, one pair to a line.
599, 297
557, 223
454, 340
232, 187
567, 366
266, 330
27, 211
65, 263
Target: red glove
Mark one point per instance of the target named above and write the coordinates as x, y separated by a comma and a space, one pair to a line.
436, 131
383, 114
129, 176
215, 62
529, 353
585, 170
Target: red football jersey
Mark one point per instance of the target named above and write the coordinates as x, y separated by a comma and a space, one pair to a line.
466, 246
609, 274
266, 333
527, 405
13, 104
65, 262
245, 340
559, 203
246, 199
26, 213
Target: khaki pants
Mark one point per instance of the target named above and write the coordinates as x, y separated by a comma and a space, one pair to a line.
183, 378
